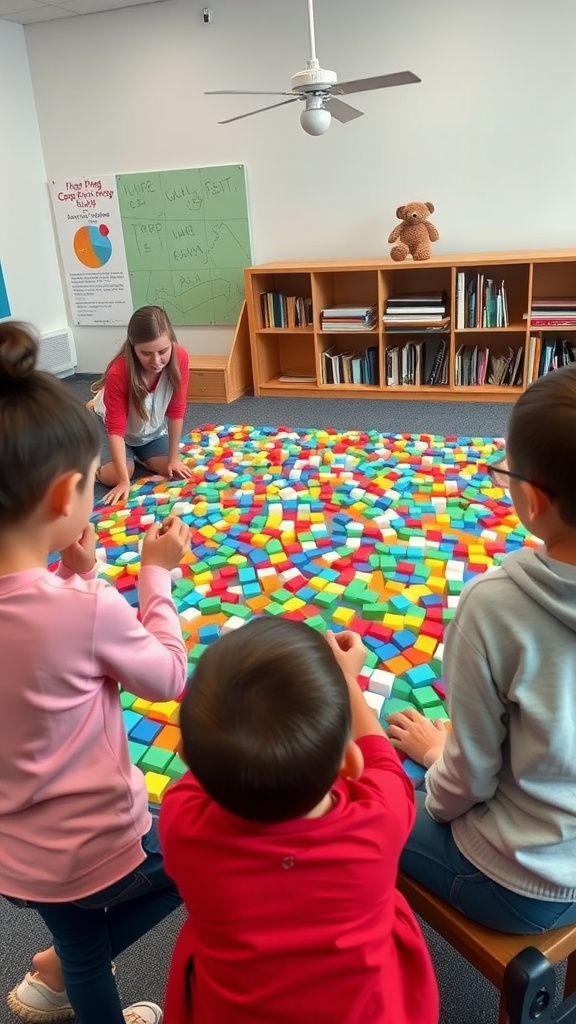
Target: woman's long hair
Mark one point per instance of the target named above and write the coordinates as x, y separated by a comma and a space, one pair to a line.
145, 325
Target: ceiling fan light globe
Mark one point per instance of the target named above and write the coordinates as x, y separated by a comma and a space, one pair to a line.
315, 121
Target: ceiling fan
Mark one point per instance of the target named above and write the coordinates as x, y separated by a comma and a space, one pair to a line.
319, 89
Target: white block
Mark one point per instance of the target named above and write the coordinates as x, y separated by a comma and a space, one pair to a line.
381, 682
374, 700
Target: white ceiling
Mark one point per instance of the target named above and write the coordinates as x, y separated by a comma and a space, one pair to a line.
26, 12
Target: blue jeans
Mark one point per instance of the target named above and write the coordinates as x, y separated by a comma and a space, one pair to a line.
432, 858
90, 932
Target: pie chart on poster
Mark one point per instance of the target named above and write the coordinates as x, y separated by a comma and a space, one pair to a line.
92, 245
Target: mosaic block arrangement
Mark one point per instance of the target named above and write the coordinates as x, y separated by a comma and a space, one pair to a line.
344, 530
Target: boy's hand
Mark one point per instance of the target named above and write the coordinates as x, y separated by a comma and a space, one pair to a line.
165, 544
348, 650
81, 555
417, 736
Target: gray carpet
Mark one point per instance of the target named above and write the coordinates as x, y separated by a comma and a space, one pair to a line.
466, 997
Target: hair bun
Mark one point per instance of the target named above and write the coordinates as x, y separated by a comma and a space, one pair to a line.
18, 351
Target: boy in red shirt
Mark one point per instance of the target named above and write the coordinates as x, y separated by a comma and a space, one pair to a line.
284, 840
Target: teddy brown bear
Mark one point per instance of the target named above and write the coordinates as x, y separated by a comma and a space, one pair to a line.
415, 232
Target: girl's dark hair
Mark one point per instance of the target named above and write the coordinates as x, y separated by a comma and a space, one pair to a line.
44, 429
145, 325
541, 438
265, 720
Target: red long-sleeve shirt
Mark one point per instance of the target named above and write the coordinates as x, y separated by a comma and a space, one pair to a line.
298, 921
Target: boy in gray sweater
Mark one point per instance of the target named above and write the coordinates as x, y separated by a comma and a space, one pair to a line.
495, 834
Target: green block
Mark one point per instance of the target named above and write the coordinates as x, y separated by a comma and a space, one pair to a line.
370, 596
274, 609
375, 612
126, 699
136, 750
372, 660
391, 706
274, 546
155, 759
425, 697
195, 653
455, 586
324, 598
316, 622
401, 689
210, 605
176, 768
199, 567
281, 596
436, 711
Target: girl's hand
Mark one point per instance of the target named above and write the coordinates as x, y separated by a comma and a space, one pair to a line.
417, 736
118, 493
165, 544
81, 555
179, 469
349, 651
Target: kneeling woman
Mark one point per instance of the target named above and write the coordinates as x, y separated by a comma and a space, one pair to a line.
142, 400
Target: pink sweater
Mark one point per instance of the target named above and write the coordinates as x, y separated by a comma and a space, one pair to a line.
73, 809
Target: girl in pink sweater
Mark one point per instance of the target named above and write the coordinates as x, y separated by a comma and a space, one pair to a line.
77, 839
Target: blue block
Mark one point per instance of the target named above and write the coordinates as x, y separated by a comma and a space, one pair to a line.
131, 719
403, 639
145, 732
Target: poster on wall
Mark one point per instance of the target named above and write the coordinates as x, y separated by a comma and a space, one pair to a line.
4, 304
178, 239
87, 216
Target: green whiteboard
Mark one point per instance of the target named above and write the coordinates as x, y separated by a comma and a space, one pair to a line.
187, 241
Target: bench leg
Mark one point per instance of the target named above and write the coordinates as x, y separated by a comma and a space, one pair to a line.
502, 1011
570, 982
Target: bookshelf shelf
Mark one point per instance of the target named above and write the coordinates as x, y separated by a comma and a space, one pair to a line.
510, 280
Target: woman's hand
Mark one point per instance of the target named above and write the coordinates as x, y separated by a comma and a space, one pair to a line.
118, 493
177, 468
81, 555
416, 736
165, 544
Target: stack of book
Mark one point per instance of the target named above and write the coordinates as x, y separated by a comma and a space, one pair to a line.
476, 365
349, 317
480, 302
553, 313
428, 309
418, 362
546, 354
350, 367
280, 310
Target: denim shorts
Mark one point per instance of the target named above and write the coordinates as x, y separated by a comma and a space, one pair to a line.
138, 452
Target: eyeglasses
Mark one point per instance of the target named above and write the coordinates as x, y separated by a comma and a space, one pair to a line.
500, 477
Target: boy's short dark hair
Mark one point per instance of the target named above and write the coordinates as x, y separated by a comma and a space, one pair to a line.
541, 438
265, 720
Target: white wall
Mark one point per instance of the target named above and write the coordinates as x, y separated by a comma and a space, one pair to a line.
487, 136
27, 244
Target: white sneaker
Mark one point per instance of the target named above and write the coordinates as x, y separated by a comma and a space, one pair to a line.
143, 1013
35, 1003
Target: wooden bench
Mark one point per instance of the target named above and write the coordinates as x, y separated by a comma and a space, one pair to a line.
489, 951
223, 378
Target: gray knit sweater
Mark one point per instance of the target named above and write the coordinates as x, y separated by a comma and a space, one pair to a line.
507, 777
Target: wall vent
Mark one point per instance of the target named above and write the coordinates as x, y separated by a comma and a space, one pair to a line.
57, 353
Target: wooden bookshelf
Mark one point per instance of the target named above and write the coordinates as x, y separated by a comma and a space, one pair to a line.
297, 351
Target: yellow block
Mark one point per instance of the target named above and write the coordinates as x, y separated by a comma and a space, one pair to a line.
426, 643
334, 588
293, 604
437, 584
343, 616
277, 557
156, 785
393, 621
140, 706
203, 577
260, 540
208, 530
167, 711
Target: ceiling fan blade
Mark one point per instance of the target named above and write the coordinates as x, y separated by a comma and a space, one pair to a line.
243, 92
259, 111
342, 111
379, 82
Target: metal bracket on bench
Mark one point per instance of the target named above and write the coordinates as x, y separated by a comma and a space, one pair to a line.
529, 988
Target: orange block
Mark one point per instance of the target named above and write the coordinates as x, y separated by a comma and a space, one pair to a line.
398, 665
258, 603
168, 738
